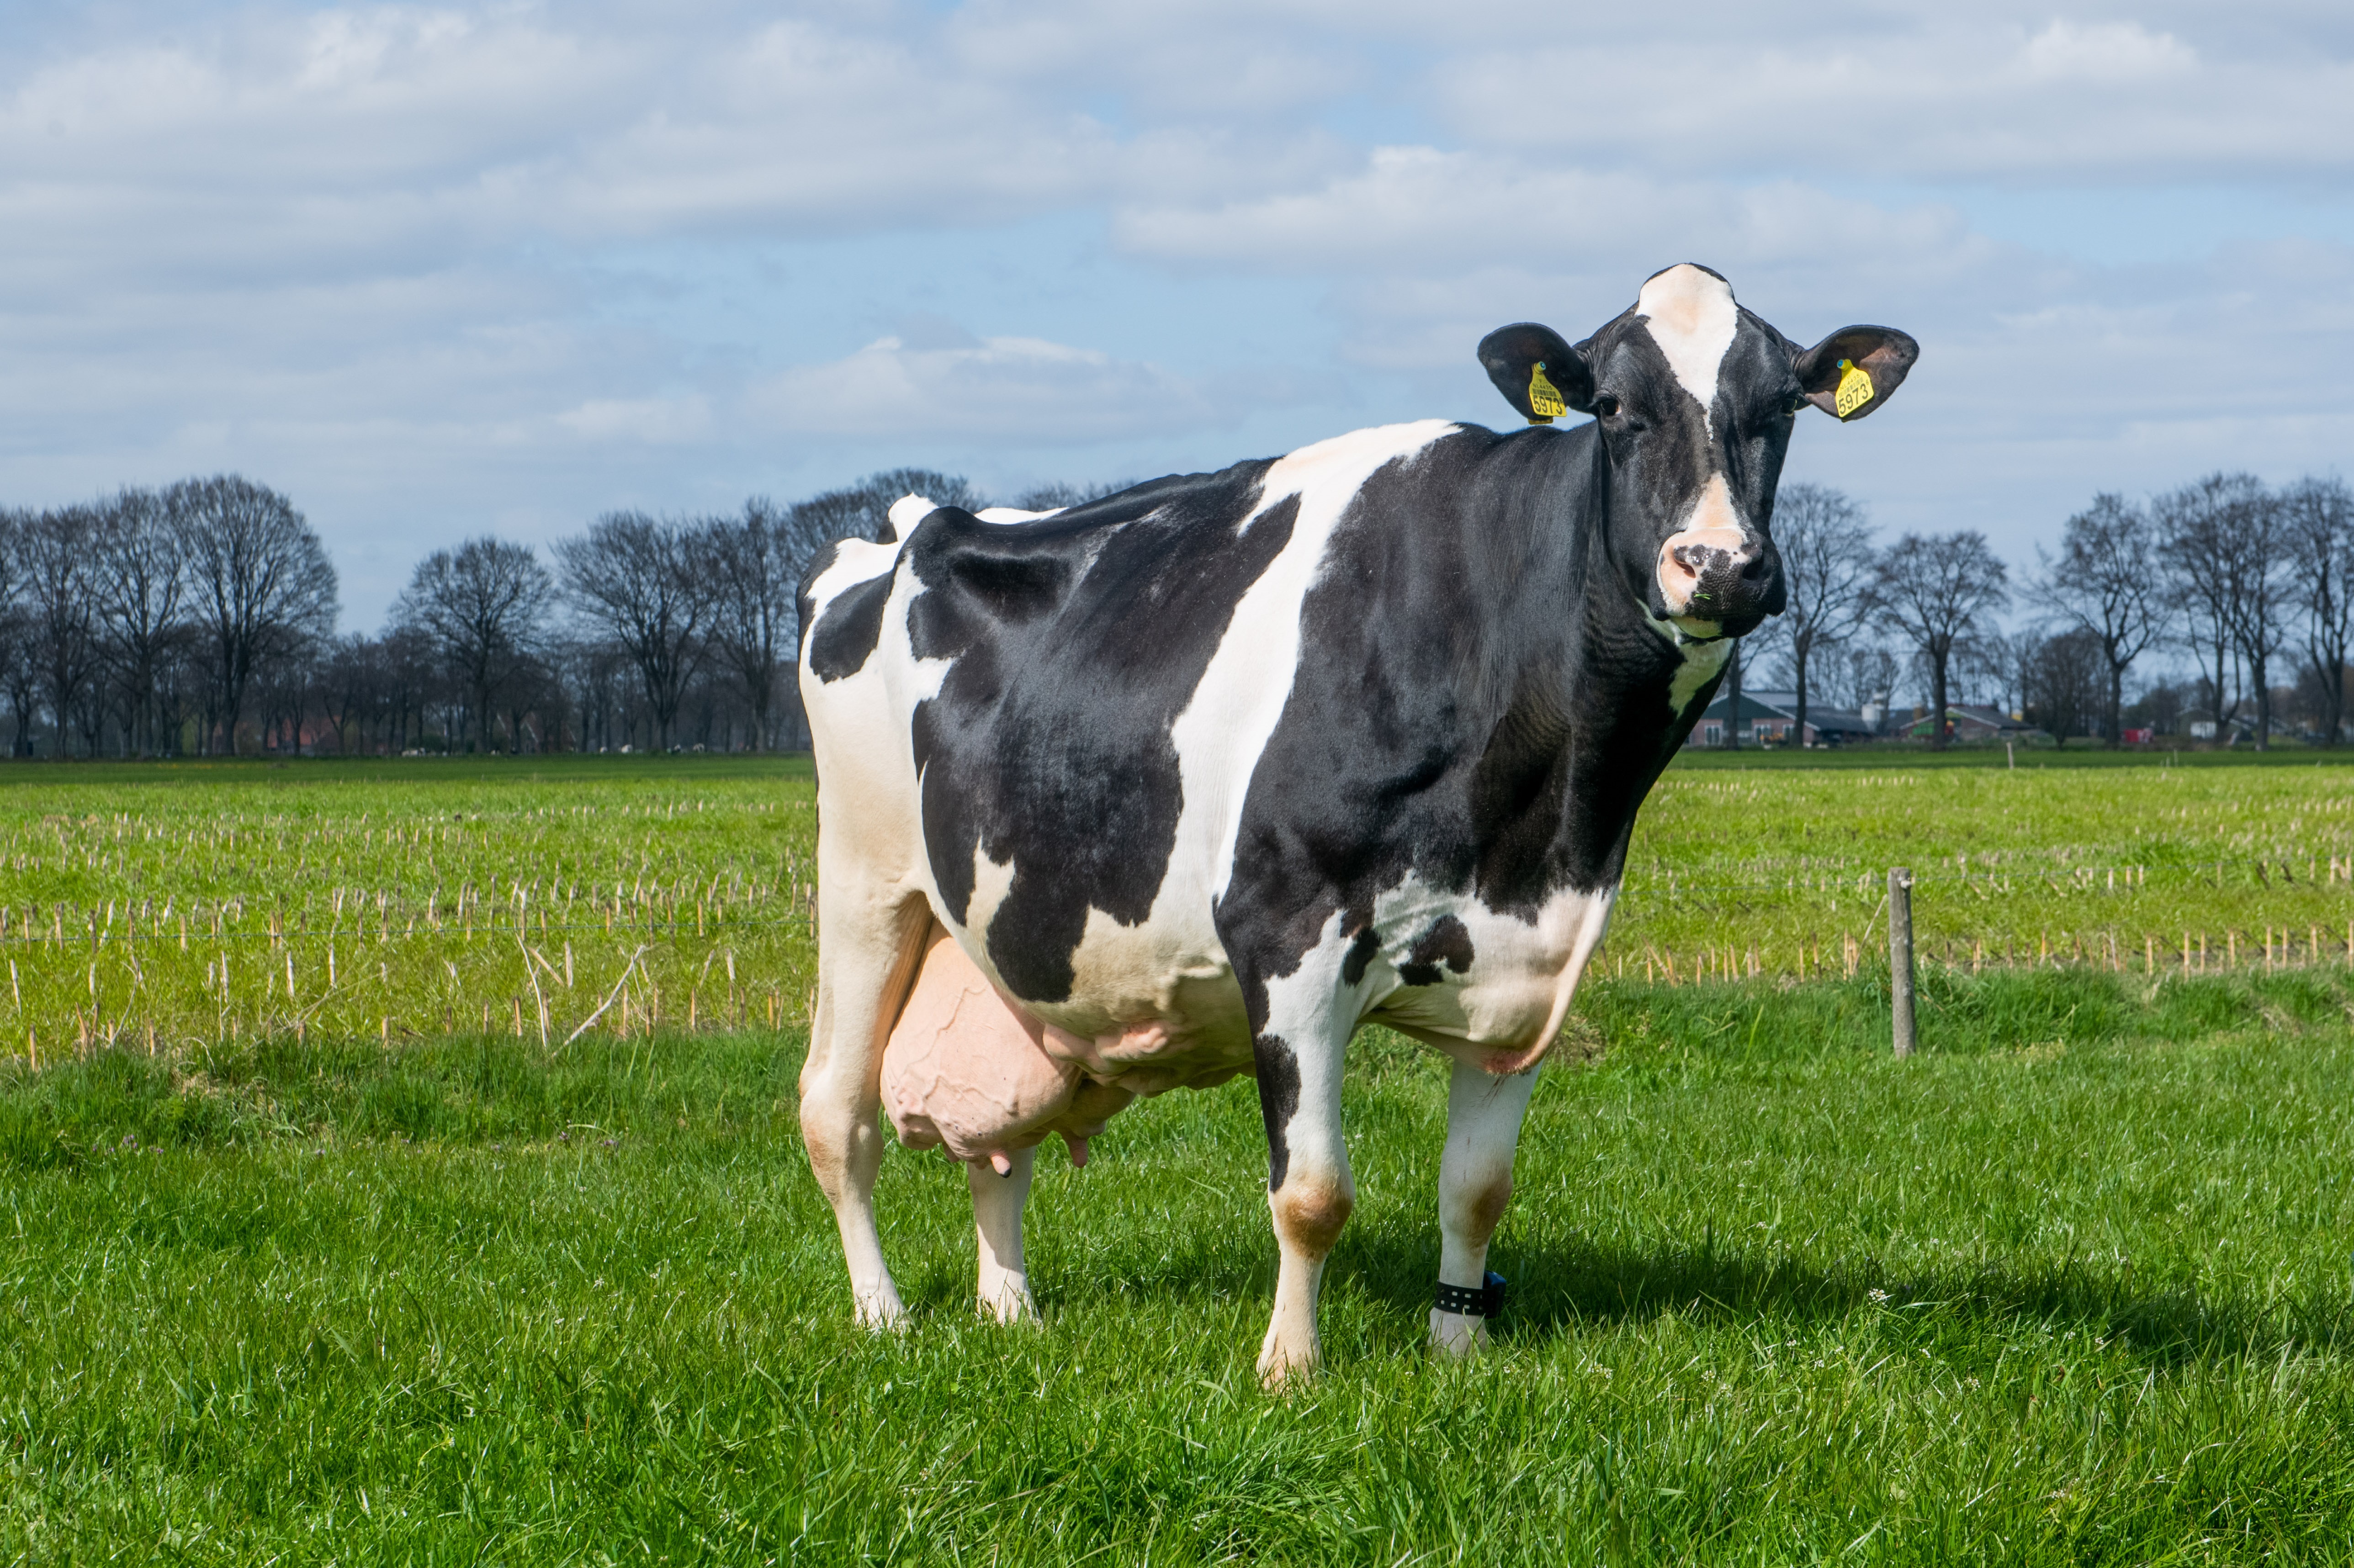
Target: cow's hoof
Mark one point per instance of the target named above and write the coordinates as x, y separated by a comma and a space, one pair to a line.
1281, 1369
1456, 1336
881, 1313
1011, 1308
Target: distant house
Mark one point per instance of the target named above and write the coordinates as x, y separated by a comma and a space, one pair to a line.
1974, 721
2237, 727
1771, 718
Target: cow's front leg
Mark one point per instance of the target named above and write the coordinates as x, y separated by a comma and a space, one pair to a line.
1475, 1182
1308, 1188
997, 1203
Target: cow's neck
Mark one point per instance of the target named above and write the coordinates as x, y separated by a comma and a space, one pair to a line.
1601, 698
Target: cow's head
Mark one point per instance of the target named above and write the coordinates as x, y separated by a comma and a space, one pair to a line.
1693, 398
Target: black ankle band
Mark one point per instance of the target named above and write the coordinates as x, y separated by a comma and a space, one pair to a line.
1487, 1301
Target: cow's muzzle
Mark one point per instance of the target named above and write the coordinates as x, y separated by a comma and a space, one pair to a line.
1719, 582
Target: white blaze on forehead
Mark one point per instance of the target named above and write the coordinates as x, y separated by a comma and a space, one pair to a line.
1692, 319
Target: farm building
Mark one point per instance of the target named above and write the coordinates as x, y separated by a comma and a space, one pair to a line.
1974, 721
1771, 718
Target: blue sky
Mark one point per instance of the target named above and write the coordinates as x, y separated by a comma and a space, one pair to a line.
441, 269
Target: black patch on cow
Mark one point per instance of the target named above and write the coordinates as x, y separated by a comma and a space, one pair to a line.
1077, 641
848, 629
1361, 955
1448, 943
1279, 1101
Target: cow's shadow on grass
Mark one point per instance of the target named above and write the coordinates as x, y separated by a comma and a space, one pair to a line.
1573, 1287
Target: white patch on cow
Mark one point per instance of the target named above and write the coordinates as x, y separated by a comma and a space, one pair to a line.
1174, 973
1502, 1013
991, 880
907, 512
1014, 514
1243, 691
1712, 520
1692, 318
855, 562
1702, 662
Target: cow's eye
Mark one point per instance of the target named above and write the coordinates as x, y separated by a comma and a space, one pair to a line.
1606, 407
1796, 405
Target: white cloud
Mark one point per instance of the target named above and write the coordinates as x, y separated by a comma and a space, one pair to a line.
1008, 387
1406, 210
2106, 52
662, 421
1962, 93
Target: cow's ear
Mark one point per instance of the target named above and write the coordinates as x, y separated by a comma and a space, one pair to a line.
1853, 372
1537, 372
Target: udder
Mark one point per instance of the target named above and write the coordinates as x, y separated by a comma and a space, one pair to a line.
965, 1070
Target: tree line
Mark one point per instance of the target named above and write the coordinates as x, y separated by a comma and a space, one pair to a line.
2252, 584
201, 617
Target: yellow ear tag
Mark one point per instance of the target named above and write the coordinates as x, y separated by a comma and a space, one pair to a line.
1546, 401
1855, 389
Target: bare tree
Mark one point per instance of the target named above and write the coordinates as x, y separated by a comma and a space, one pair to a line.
1826, 567
351, 681
2063, 681
15, 631
485, 606
55, 551
637, 578
1933, 588
2205, 565
408, 685
2106, 583
140, 575
259, 583
2263, 600
2318, 515
755, 569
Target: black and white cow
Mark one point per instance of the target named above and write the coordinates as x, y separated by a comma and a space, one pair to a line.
1195, 779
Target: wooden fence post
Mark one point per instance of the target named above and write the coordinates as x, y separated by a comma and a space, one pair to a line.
1900, 957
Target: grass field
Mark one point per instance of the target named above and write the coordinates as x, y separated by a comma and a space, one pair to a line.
199, 904
369, 1283
195, 905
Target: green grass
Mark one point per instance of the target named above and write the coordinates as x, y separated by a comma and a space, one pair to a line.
1734, 862
205, 903
2070, 1286
330, 1273
189, 904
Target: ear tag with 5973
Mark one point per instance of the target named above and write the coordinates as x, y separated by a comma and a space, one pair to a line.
1855, 389
1546, 401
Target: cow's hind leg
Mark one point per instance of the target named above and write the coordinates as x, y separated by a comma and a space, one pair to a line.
867, 953
1475, 1182
997, 1218
1309, 1188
